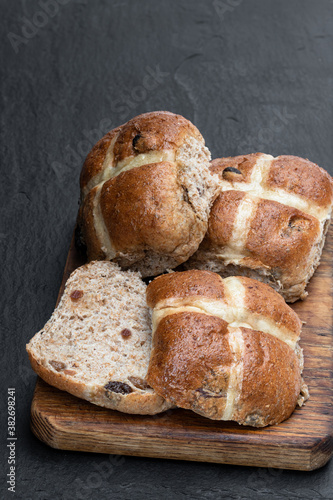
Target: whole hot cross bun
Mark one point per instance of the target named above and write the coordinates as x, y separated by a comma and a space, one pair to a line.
146, 192
269, 221
225, 348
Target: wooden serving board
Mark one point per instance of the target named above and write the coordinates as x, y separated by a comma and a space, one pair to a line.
303, 442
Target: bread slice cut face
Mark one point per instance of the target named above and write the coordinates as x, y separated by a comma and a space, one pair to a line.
97, 342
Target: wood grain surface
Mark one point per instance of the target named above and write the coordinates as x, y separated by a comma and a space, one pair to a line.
303, 442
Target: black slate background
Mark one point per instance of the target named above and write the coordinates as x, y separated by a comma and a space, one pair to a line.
252, 75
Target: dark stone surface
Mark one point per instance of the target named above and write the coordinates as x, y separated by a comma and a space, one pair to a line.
252, 75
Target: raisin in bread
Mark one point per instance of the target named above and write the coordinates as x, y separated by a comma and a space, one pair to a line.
146, 192
269, 221
97, 342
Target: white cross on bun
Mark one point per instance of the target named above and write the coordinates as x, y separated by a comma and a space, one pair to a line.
146, 192
225, 348
269, 221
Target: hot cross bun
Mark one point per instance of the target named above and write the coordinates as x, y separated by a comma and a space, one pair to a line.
225, 348
146, 192
269, 221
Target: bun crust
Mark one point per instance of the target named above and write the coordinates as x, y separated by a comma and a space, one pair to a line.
158, 131
191, 358
226, 349
268, 222
146, 192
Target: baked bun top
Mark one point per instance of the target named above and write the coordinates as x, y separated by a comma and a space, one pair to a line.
268, 221
146, 193
154, 134
237, 300
225, 348
290, 180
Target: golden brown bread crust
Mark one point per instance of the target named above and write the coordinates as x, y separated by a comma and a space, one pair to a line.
222, 219
205, 359
146, 191
152, 132
94, 162
156, 131
188, 286
188, 352
282, 238
279, 237
262, 300
191, 364
86, 214
291, 173
271, 380
244, 163
182, 285
145, 222
268, 222
302, 177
